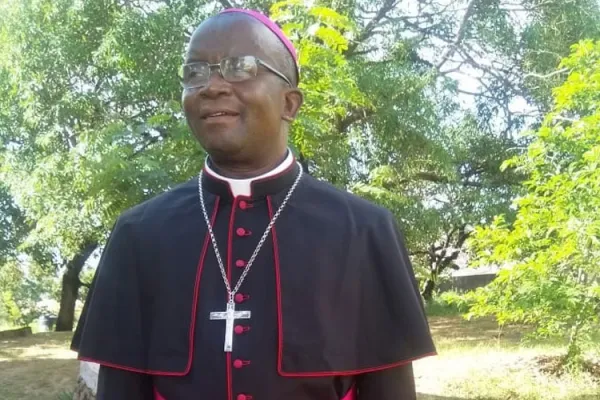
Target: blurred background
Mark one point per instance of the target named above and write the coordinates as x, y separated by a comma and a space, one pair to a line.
477, 122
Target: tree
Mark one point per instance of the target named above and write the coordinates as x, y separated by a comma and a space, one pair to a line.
552, 250
90, 120
85, 120
98, 128
21, 291
12, 231
12, 226
437, 164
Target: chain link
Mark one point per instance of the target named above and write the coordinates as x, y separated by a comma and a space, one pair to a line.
232, 293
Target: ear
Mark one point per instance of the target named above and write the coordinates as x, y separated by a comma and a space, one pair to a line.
293, 101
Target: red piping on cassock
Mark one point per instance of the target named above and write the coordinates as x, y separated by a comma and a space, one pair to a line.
193, 318
277, 290
280, 329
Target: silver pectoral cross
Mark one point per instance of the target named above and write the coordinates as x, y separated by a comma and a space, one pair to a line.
229, 316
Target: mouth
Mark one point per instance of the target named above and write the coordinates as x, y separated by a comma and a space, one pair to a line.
210, 115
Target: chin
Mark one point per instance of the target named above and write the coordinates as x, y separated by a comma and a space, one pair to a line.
220, 147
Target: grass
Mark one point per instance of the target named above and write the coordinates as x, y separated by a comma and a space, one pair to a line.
476, 361
65, 396
37, 367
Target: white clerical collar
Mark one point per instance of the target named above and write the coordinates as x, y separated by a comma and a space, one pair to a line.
243, 187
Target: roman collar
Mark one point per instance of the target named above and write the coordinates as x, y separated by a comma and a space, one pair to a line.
278, 179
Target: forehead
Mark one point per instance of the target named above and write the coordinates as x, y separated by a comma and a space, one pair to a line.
231, 35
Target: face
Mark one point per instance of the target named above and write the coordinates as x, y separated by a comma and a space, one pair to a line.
239, 120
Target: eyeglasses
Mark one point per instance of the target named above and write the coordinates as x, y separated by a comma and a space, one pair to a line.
232, 69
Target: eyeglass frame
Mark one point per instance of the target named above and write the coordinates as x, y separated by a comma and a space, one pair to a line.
218, 65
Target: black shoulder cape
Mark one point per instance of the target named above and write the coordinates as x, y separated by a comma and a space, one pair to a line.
347, 299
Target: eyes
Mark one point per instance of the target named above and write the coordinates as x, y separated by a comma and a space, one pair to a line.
232, 69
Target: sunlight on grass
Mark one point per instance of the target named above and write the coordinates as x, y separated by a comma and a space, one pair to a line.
39, 346
478, 361
36, 367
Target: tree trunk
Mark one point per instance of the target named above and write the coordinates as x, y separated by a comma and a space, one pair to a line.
304, 162
70, 288
428, 289
573, 357
442, 257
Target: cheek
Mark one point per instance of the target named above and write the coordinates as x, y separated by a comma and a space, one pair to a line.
260, 98
187, 101
265, 108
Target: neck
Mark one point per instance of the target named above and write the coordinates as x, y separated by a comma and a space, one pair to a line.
246, 170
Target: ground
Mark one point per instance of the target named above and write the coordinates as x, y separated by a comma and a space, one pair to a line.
476, 361
481, 362
38, 367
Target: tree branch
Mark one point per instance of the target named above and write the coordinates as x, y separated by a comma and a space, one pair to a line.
367, 32
353, 116
476, 94
84, 284
226, 3
432, 177
462, 30
452, 70
550, 75
365, 51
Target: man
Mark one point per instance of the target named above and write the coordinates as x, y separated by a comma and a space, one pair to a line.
252, 280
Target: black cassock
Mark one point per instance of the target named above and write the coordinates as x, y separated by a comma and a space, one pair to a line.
336, 312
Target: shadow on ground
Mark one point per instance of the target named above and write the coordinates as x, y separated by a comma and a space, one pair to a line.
459, 330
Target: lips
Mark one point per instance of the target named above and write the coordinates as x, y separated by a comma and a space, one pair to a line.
216, 113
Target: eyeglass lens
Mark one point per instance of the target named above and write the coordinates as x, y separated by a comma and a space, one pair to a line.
233, 69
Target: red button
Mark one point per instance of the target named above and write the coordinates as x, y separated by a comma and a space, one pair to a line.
243, 397
240, 231
240, 263
237, 364
240, 298
239, 329
243, 205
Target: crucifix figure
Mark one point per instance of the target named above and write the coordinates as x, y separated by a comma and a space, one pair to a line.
229, 316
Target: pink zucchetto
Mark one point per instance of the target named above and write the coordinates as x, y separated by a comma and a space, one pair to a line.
273, 27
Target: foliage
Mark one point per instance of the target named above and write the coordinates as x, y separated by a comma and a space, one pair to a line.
98, 126
548, 39
12, 226
91, 122
95, 97
449, 303
21, 293
433, 162
329, 85
65, 396
552, 250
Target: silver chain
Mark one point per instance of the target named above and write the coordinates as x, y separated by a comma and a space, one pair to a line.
232, 293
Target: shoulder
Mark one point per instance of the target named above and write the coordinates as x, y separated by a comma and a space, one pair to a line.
162, 206
336, 201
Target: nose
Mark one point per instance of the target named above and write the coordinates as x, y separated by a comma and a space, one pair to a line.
216, 85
